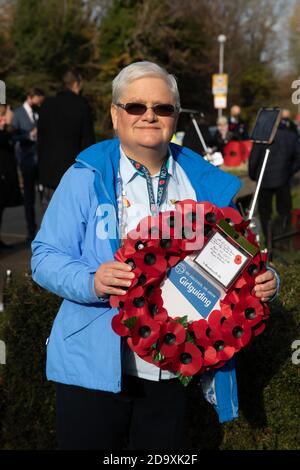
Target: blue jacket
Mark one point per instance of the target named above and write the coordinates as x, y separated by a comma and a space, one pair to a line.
82, 349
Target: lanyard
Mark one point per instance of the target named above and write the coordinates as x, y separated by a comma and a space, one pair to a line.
162, 184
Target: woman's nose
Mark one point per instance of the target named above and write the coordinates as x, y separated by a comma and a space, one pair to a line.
149, 115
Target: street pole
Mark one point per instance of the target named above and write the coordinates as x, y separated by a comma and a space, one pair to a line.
221, 40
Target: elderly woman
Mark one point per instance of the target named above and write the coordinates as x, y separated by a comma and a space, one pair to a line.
106, 395
222, 135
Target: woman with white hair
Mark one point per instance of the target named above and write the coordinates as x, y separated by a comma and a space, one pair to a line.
108, 397
222, 135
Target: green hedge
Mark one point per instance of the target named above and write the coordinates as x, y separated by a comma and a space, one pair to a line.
28, 401
268, 381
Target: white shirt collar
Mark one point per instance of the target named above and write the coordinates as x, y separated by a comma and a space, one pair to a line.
29, 111
128, 172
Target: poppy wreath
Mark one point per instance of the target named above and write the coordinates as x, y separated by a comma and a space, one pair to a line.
184, 347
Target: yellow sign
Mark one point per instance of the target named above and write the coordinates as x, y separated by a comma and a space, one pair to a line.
220, 83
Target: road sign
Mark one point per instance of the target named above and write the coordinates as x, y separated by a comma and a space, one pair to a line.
220, 83
220, 101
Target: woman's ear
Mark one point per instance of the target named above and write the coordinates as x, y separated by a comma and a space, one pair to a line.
114, 117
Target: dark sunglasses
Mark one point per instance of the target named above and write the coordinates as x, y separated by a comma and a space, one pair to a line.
138, 109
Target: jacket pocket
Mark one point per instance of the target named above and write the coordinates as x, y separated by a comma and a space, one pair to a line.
75, 317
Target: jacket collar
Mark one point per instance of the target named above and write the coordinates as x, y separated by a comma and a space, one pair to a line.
210, 183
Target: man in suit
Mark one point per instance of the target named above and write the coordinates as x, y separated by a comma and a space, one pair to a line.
25, 135
237, 126
65, 128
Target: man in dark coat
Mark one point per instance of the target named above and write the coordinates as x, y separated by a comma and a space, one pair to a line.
65, 128
237, 126
10, 194
25, 135
283, 162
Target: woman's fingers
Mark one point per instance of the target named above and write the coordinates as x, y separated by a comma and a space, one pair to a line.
119, 274
111, 276
109, 290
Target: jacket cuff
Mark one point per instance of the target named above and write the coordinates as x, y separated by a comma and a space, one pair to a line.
94, 297
277, 281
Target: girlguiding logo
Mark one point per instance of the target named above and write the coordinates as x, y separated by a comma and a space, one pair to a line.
180, 268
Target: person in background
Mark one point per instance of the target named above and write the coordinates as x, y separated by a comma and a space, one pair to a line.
297, 124
65, 128
10, 194
107, 396
25, 135
237, 126
286, 120
282, 164
222, 135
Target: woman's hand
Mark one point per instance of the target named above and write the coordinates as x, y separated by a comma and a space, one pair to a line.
265, 286
111, 276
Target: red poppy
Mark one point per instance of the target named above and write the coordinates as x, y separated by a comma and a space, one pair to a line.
253, 269
232, 215
172, 260
245, 231
210, 356
155, 304
236, 334
212, 213
148, 228
145, 333
216, 319
223, 349
249, 310
188, 360
191, 212
237, 259
172, 250
199, 329
171, 336
228, 302
171, 224
187, 206
118, 325
117, 301
136, 304
151, 261
240, 282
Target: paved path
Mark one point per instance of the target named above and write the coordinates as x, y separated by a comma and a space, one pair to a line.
14, 232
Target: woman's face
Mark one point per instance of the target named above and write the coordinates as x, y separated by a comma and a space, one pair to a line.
223, 128
147, 131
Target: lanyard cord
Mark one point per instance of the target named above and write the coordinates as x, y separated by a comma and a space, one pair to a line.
161, 188
154, 205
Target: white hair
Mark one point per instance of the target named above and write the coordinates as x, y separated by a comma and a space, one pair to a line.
222, 120
140, 70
